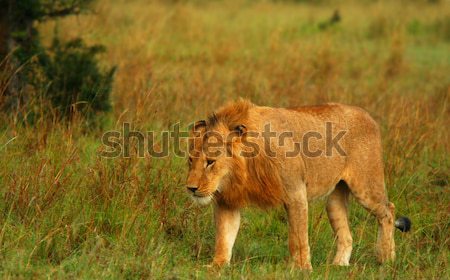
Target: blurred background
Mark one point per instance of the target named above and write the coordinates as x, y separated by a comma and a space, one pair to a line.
71, 70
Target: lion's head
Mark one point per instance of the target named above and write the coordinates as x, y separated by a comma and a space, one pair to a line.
224, 168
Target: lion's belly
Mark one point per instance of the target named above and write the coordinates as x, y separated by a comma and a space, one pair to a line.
321, 176
316, 192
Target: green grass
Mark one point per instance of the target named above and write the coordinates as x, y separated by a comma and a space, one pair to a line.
66, 212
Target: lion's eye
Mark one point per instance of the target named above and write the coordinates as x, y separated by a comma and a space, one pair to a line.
210, 162
190, 160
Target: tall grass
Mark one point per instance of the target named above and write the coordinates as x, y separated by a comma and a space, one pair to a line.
67, 212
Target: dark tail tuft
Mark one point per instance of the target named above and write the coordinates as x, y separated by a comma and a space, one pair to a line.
403, 224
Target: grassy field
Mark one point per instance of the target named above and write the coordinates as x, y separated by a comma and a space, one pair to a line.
66, 212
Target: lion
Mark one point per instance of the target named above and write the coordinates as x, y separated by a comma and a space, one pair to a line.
232, 164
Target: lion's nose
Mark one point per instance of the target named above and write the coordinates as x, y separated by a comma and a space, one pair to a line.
192, 188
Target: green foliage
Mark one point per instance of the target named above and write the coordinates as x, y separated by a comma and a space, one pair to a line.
439, 28
75, 78
67, 74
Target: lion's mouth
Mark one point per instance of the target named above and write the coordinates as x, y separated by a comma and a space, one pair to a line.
205, 198
202, 199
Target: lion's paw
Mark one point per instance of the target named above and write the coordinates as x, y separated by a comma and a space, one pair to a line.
304, 266
219, 263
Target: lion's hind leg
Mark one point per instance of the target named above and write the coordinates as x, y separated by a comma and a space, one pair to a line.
372, 196
337, 210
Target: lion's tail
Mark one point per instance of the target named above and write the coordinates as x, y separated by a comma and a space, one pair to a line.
403, 224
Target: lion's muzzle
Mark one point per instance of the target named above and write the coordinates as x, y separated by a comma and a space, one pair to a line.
192, 189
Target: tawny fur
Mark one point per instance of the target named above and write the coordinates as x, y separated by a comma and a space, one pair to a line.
235, 181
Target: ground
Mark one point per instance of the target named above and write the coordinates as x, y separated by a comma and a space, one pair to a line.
67, 212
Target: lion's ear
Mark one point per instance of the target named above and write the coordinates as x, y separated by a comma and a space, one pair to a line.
240, 129
198, 126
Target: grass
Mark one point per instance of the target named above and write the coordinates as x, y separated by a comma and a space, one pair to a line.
66, 212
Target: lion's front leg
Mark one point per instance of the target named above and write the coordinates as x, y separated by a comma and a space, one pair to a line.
297, 209
227, 226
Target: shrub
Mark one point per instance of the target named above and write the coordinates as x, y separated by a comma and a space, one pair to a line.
74, 78
67, 74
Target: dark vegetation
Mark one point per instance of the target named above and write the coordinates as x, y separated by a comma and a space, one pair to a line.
65, 77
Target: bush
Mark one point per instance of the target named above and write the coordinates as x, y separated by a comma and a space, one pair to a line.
67, 74
74, 78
